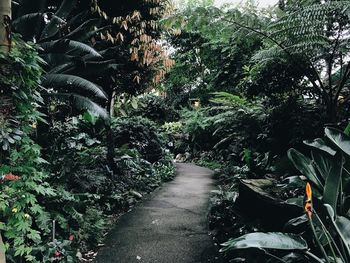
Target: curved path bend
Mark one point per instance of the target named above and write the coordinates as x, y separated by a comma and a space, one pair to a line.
169, 227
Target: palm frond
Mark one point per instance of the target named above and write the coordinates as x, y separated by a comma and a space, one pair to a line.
65, 81
55, 59
85, 30
52, 28
63, 68
69, 46
66, 8
23, 24
16, 23
56, 22
96, 68
82, 103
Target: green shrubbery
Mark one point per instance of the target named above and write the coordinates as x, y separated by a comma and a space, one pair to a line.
24, 219
57, 201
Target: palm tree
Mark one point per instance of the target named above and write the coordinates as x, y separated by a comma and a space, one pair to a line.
62, 53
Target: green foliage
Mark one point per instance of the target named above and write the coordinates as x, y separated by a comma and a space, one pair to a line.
326, 170
329, 214
277, 241
60, 53
209, 164
206, 32
141, 134
156, 108
25, 220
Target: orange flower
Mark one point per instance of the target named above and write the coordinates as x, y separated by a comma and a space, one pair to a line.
308, 191
308, 201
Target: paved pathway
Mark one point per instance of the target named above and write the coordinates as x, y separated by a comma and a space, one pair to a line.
169, 227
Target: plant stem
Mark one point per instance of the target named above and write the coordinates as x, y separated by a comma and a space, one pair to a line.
313, 257
318, 241
329, 238
275, 257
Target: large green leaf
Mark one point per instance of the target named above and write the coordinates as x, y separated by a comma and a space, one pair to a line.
66, 8
320, 145
82, 103
28, 24
59, 81
63, 69
22, 21
56, 59
343, 225
347, 129
96, 68
53, 27
331, 170
339, 139
273, 240
323, 163
69, 46
340, 225
85, 30
305, 166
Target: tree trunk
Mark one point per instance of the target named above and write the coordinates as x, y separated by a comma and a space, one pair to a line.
5, 47
110, 137
5, 26
332, 112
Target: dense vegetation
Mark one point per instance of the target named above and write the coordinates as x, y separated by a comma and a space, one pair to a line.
98, 97
268, 82
72, 158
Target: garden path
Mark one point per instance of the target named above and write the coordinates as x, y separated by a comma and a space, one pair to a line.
169, 227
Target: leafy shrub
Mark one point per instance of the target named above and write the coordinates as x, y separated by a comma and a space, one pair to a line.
141, 134
92, 228
25, 182
291, 122
176, 137
200, 130
156, 109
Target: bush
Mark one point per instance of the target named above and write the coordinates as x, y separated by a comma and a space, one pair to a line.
156, 109
23, 181
140, 134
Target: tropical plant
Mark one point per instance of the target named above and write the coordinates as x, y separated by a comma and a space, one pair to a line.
141, 134
63, 53
25, 182
300, 37
327, 211
87, 44
198, 35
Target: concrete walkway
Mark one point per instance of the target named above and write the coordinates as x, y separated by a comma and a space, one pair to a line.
169, 227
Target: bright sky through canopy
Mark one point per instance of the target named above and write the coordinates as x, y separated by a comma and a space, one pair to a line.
262, 3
